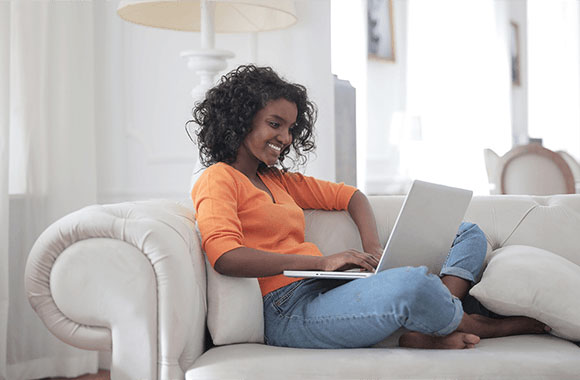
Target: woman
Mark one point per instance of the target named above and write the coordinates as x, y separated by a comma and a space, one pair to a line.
250, 215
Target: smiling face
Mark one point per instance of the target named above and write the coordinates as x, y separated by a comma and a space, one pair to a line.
270, 135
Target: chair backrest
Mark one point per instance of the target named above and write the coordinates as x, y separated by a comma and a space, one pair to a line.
574, 166
534, 170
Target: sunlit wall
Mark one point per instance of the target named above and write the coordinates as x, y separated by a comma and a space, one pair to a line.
554, 73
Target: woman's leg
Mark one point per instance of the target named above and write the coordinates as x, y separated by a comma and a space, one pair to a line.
465, 259
360, 313
460, 270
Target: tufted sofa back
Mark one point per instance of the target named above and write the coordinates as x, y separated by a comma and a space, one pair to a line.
547, 222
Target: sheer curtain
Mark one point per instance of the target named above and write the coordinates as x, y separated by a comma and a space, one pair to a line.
458, 81
4, 107
47, 163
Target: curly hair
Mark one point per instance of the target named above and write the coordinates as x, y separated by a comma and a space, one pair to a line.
224, 118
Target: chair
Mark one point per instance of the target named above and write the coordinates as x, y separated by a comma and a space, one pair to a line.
574, 166
529, 169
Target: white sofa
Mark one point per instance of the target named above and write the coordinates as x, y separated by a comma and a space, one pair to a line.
131, 278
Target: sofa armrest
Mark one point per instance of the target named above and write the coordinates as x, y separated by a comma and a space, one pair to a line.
128, 277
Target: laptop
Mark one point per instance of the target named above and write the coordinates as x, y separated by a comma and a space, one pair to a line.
422, 235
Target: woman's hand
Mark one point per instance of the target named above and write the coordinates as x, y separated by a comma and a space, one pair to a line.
350, 259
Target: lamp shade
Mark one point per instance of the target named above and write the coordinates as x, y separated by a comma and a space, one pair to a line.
231, 16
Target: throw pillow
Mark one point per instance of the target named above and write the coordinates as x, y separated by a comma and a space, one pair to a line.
532, 282
234, 309
235, 312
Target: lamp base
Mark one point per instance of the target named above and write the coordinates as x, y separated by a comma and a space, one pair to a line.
206, 63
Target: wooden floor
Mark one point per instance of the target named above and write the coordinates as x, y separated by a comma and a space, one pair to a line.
101, 375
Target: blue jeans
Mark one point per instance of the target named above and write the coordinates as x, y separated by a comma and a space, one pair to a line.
314, 313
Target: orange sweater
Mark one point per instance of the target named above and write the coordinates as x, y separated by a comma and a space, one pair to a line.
231, 213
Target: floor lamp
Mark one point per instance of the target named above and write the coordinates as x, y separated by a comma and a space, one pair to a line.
209, 17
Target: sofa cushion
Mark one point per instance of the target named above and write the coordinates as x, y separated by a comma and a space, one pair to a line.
529, 281
515, 357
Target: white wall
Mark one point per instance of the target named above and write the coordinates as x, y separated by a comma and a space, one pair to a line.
554, 73
144, 97
517, 12
386, 94
349, 62
380, 88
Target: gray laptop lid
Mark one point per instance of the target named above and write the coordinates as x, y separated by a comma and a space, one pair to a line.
423, 232
426, 226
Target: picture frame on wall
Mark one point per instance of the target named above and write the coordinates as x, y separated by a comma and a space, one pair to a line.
515, 54
381, 37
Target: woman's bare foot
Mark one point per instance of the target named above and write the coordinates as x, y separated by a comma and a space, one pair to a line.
472, 327
455, 340
491, 328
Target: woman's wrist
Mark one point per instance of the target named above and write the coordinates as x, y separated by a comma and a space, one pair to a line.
374, 248
303, 262
318, 263
321, 263
363, 216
